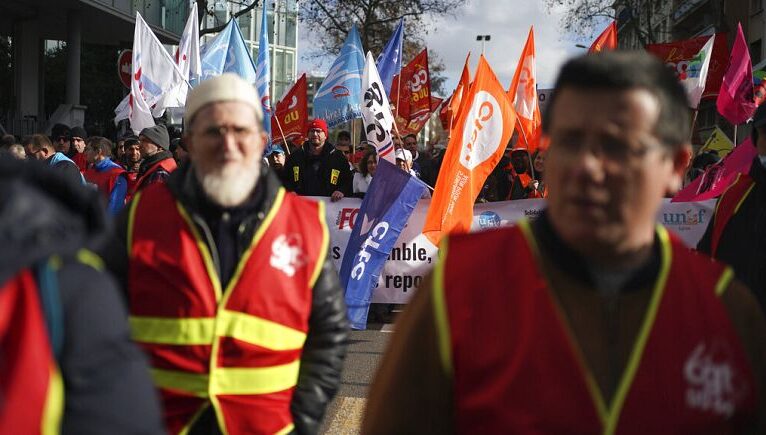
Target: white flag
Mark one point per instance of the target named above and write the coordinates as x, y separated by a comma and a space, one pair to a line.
156, 81
695, 75
376, 111
187, 54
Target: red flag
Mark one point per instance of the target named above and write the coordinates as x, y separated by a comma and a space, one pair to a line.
292, 113
413, 98
735, 100
474, 149
678, 55
607, 40
523, 93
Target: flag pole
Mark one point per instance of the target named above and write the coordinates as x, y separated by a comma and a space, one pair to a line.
523, 134
735, 134
282, 133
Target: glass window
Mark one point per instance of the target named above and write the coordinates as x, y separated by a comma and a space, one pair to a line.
245, 25
291, 32
220, 13
270, 24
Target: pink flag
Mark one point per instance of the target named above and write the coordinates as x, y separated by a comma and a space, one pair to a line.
718, 177
735, 99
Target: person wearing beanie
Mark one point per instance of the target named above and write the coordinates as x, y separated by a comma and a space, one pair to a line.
229, 280
736, 234
157, 162
316, 169
77, 151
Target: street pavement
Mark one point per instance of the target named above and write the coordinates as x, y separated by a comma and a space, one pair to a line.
344, 415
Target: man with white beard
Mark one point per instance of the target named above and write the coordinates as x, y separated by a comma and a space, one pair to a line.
230, 287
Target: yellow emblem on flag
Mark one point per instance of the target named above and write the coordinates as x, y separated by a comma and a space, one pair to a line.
296, 173
719, 142
334, 176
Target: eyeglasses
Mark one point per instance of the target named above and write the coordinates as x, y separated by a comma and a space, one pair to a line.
613, 149
219, 132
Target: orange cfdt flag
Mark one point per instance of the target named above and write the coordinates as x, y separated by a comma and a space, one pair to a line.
475, 147
607, 40
523, 94
463, 86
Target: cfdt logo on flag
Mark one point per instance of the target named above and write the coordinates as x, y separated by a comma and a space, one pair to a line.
483, 131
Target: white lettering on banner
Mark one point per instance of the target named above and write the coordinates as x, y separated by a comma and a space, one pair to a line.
482, 131
378, 233
413, 255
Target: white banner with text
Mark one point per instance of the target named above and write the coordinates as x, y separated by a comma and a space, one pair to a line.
413, 255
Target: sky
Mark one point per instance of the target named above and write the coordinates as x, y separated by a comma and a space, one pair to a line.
507, 21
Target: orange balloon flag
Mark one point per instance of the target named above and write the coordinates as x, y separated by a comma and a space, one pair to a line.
607, 40
475, 147
523, 93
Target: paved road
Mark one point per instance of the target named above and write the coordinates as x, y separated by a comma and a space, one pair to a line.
344, 414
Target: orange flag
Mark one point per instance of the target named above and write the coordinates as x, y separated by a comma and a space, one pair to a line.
456, 102
475, 147
607, 40
523, 93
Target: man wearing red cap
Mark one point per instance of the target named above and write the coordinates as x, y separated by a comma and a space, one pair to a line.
316, 169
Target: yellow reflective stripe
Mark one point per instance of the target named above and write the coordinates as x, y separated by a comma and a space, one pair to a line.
132, 221
323, 247
90, 258
285, 430
256, 237
258, 331
747, 192
590, 381
440, 311
207, 258
185, 430
724, 281
169, 330
231, 380
191, 383
260, 380
54, 403
643, 335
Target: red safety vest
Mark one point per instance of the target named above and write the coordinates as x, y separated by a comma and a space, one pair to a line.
517, 369
167, 164
31, 390
728, 205
237, 349
104, 180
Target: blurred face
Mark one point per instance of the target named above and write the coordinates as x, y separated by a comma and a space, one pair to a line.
402, 164
119, 150
35, 153
79, 144
343, 141
345, 150
316, 137
607, 171
397, 141
519, 161
148, 148
226, 146
91, 154
133, 153
62, 144
539, 163
411, 144
372, 165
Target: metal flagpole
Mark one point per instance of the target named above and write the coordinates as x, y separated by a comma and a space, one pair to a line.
284, 139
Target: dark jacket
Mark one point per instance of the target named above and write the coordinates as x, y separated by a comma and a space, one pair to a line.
743, 242
159, 174
107, 385
320, 175
228, 238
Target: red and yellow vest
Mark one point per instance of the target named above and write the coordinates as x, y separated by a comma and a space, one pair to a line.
237, 349
31, 389
728, 205
168, 165
104, 180
516, 367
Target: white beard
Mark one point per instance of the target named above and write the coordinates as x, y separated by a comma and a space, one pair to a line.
231, 185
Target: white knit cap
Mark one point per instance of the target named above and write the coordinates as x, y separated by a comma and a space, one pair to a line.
226, 87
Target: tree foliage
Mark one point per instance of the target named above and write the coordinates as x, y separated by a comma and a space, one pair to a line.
583, 18
329, 22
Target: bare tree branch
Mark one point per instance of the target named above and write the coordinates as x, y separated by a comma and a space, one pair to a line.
222, 26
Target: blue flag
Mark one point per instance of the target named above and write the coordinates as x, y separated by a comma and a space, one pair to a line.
389, 62
263, 78
388, 204
339, 99
227, 52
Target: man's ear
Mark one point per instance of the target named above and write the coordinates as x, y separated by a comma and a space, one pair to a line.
681, 159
